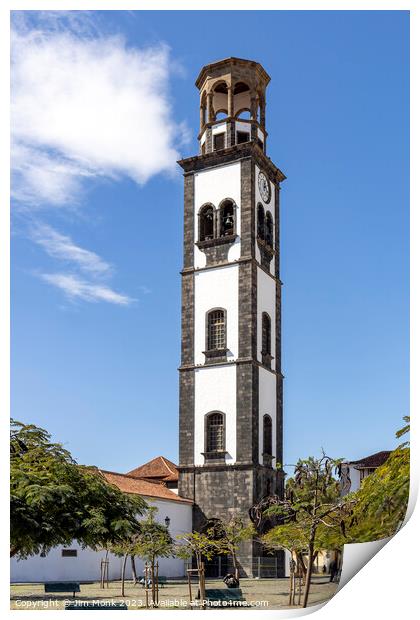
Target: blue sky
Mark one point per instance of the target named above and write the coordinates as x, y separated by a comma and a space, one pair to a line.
97, 221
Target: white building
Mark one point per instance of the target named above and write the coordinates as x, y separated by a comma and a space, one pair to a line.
352, 473
152, 482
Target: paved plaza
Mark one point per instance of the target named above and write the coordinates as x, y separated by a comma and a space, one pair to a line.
259, 593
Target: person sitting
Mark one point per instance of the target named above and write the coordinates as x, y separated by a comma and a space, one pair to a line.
231, 581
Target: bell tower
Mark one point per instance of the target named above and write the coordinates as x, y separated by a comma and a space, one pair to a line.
231, 419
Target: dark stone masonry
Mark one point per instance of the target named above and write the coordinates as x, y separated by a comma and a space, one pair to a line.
219, 489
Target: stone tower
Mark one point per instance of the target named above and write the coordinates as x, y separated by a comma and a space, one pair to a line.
230, 423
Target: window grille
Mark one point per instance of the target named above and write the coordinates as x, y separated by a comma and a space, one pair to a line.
215, 433
216, 330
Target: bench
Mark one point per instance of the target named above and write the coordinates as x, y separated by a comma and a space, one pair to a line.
80, 605
221, 597
62, 586
161, 581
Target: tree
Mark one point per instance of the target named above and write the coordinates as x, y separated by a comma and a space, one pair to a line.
198, 545
55, 501
381, 502
152, 540
228, 535
312, 511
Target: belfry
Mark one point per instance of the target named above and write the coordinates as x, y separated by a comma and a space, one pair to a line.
231, 417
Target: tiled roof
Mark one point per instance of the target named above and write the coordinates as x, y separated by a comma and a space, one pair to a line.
131, 484
158, 468
374, 460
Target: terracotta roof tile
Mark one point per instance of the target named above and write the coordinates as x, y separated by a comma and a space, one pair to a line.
374, 460
138, 486
159, 468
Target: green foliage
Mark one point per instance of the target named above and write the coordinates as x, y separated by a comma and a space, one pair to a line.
228, 534
312, 509
54, 500
199, 544
152, 540
381, 502
403, 431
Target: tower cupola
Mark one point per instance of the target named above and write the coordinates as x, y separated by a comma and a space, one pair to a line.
232, 104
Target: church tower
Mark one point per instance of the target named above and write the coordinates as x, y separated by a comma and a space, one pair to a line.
230, 426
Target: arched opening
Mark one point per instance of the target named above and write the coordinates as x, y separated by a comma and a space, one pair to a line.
267, 435
240, 87
269, 229
221, 114
215, 432
221, 87
266, 340
206, 223
244, 114
216, 330
227, 218
260, 222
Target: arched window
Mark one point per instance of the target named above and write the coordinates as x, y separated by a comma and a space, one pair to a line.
216, 330
215, 432
266, 336
269, 229
267, 435
227, 218
206, 219
260, 222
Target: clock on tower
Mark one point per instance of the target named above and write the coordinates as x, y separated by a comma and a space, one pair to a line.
231, 418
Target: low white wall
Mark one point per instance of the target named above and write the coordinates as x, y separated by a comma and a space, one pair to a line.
86, 566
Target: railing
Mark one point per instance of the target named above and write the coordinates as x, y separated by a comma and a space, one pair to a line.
262, 567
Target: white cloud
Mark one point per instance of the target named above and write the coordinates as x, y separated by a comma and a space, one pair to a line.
75, 287
62, 247
84, 108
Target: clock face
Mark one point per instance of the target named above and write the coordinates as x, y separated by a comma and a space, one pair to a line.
264, 187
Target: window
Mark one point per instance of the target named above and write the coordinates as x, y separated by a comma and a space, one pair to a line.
218, 141
241, 137
269, 229
216, 330
267, 435
266, 336
260, 222
227, 216
215, 430
69, 553
206, 223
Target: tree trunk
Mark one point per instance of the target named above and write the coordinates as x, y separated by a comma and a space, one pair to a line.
153, 581
123, 575
235, 565
133, 569
309, 571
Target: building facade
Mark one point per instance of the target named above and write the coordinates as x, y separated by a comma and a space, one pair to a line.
155, 481
231, 422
